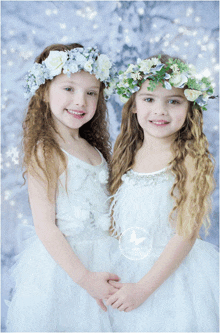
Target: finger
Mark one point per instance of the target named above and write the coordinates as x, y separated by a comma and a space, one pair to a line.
115, 284
112, 299
117, 304
122, 307
128, 309
101, 304
112, 291
113, 277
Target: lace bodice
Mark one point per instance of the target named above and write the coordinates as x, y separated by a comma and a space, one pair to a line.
143, 200
82, 209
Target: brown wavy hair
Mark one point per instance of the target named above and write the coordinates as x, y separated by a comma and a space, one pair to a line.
190, 141
39, 130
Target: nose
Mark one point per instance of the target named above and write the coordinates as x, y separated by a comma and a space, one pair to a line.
79, 98
160, 108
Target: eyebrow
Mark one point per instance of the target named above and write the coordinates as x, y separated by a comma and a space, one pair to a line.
152, 95
72, 82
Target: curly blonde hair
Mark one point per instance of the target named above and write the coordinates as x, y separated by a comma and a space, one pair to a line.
189, 141
39, 130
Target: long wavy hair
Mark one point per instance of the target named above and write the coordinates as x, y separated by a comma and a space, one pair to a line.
189, 141
39, 130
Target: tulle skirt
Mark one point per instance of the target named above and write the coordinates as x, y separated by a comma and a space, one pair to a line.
186, 302
47, 300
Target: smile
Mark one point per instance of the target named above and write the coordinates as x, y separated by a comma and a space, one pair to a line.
76, 113
159, 122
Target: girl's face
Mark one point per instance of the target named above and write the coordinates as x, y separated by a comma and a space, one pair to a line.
73, 101
161, 113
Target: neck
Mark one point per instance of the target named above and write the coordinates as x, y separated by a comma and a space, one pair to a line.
157, 145
67, 137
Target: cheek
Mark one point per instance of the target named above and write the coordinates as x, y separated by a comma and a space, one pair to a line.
94, 105
180, 118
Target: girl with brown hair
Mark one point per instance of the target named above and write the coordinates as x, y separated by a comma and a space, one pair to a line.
161, 181
63, 274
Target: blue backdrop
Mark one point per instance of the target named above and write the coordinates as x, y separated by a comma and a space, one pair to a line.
124, 30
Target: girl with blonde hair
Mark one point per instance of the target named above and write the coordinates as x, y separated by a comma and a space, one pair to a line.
63, 275
161, 181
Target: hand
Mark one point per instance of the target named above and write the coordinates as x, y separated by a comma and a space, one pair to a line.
97, 285
101, 304
128, 297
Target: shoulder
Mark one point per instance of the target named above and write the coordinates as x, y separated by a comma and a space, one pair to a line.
45, 158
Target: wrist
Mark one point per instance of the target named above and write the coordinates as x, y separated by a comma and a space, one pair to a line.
83, 279
144, 287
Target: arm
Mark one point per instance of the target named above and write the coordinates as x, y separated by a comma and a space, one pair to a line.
43, 211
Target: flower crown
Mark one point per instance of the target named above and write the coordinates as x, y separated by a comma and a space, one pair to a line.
72, 61
174, 73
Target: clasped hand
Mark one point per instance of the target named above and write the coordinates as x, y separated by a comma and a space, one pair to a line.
128, 297
98, 286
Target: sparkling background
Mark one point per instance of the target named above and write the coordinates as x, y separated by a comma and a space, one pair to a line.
124, 30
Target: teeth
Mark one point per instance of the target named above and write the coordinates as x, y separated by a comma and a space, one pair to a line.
77, 113
159, 122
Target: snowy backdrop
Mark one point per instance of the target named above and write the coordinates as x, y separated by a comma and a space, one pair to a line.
124, 30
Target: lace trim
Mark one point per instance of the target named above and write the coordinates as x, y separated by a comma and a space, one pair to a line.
136, 178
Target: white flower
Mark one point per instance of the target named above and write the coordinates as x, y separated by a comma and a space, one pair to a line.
130, 68
154, 61
36, 70
80, 59
34, 88
81, 214
74, 68
103, 177
192, 95
136, 76
175, 68
70, 68
177, 80
111, 88
88, 66
103, 65
203, 86
145, 66
55, 62
192, 69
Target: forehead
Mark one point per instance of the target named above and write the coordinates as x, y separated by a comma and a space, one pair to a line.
79, 78
160, 90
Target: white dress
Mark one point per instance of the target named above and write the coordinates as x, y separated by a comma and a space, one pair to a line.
188, 300
46, 299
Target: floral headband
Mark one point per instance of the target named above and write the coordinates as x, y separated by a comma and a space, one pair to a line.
75, 60
174, 73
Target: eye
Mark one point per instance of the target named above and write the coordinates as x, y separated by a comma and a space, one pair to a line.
92, 93
173, 101
68, 89
149, 100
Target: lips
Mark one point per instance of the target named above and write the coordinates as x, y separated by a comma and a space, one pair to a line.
76, 112
159, 122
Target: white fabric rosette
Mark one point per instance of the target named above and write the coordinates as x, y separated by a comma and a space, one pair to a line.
192, 94
55, 61
178, 80
103, 66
